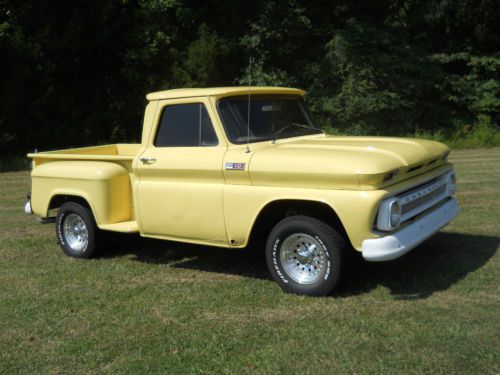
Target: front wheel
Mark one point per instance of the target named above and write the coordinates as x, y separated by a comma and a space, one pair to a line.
76, 230
304, 255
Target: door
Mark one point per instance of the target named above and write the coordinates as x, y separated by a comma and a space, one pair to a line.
180, 175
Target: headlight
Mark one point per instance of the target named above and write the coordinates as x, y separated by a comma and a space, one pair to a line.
395, 214
389, 214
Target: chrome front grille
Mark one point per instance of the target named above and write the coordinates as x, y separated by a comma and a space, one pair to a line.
400, 207
420, 198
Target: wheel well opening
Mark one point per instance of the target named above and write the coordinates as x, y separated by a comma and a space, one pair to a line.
279, 210
58, 200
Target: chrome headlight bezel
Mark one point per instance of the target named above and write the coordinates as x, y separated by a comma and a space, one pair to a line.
389, 214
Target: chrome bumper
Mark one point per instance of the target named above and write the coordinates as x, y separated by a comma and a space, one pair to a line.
399, 243
27, 208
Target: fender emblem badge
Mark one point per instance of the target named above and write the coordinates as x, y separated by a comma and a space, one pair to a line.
235, 166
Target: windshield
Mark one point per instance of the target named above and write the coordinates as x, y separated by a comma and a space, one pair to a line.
271, 117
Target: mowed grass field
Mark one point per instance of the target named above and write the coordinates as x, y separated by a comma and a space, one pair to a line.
148, 306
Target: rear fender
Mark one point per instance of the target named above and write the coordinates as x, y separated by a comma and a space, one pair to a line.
104, 186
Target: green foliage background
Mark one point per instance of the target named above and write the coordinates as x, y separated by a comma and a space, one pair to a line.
75, 73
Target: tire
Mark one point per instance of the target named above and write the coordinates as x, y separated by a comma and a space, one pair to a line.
304, 256
76, 230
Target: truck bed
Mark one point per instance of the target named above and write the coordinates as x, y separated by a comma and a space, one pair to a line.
101, 175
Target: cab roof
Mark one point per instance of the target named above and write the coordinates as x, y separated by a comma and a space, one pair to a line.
222, 91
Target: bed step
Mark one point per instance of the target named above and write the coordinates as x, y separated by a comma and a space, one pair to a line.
123, 227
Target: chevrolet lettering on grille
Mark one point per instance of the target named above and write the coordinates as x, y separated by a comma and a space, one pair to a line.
419, 199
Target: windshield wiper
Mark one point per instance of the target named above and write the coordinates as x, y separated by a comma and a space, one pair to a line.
290, 125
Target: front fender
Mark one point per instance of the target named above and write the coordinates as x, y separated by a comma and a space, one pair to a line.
355, 209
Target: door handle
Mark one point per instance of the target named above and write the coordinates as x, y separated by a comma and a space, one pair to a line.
148, 160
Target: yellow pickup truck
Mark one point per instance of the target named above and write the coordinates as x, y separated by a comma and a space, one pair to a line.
226, 166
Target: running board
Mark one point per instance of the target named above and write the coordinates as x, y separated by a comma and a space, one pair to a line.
123, 227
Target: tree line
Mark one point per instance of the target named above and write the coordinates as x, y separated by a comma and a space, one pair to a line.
76, 73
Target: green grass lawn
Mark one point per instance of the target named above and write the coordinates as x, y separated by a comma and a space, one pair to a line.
150, 306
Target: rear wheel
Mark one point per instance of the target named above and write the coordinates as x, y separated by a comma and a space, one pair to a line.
76, 230
304, 255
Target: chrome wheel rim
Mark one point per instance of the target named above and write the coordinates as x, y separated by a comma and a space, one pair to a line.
303, 258
75, 232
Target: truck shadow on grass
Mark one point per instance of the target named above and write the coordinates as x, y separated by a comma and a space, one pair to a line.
434, 266
247, 263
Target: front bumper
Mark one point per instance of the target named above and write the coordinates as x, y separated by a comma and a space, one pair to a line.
399, 243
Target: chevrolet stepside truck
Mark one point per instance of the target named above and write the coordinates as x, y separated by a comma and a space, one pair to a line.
227, 166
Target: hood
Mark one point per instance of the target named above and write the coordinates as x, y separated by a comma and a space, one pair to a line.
344, 162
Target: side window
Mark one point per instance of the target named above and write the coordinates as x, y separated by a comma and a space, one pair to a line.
185, 125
